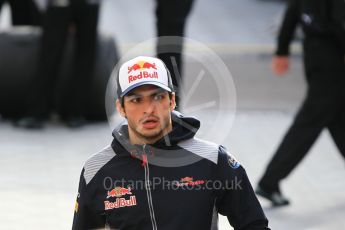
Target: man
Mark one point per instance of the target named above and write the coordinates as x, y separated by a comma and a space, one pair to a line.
156, 174
323, 23
61, 18
171, 19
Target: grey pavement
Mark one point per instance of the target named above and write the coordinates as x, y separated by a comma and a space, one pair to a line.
40, 169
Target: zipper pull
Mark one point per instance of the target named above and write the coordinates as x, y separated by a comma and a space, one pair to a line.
144, 156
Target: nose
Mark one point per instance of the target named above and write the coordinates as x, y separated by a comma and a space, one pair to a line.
150, 106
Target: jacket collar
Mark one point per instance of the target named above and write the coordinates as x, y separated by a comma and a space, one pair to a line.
183, 128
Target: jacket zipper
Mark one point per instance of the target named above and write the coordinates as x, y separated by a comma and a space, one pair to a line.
148, 189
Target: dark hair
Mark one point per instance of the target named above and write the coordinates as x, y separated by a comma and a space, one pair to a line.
122, 99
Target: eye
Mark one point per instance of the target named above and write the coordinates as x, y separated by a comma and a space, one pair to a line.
158, 97
135, 100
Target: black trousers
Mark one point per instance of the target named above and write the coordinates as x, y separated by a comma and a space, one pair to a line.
24, 12
324, 107
57, 25
171, 19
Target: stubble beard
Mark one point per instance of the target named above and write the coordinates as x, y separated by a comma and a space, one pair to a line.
150, 138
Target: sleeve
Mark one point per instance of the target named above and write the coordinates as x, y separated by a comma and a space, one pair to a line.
288, 27
84, 216
236, 198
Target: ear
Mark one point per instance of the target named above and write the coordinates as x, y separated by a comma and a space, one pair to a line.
172, 102
120, 109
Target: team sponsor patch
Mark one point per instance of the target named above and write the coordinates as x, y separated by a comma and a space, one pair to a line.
120, 203
189, 181
76, 207
233, 163
119, 192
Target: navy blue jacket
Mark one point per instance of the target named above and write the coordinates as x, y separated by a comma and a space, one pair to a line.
180, 182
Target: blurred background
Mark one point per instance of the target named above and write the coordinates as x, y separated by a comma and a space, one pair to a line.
40, 168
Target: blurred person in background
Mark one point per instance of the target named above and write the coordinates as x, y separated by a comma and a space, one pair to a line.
171, 17
323, 24
23, 12
64, 17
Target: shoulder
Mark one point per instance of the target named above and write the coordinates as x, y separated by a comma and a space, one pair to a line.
202, 148
96, 162
218, 154
228, 158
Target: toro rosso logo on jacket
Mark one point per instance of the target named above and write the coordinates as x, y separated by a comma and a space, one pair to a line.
143, 66
189, 181
120, 202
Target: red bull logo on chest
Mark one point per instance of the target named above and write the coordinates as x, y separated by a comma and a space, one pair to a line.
120, 203
119, 192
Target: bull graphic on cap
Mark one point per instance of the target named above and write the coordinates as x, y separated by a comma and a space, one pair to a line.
142, 65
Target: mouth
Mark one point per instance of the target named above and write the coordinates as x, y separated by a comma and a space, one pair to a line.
150, 123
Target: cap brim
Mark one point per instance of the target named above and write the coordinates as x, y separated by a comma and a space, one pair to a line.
160, 85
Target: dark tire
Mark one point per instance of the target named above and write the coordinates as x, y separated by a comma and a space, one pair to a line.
18, 65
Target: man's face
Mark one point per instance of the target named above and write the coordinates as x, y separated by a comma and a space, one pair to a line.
148, 112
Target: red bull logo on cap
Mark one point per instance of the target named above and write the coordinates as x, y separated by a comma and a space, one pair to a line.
140, 65
145, 71
143, 74
119, 192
